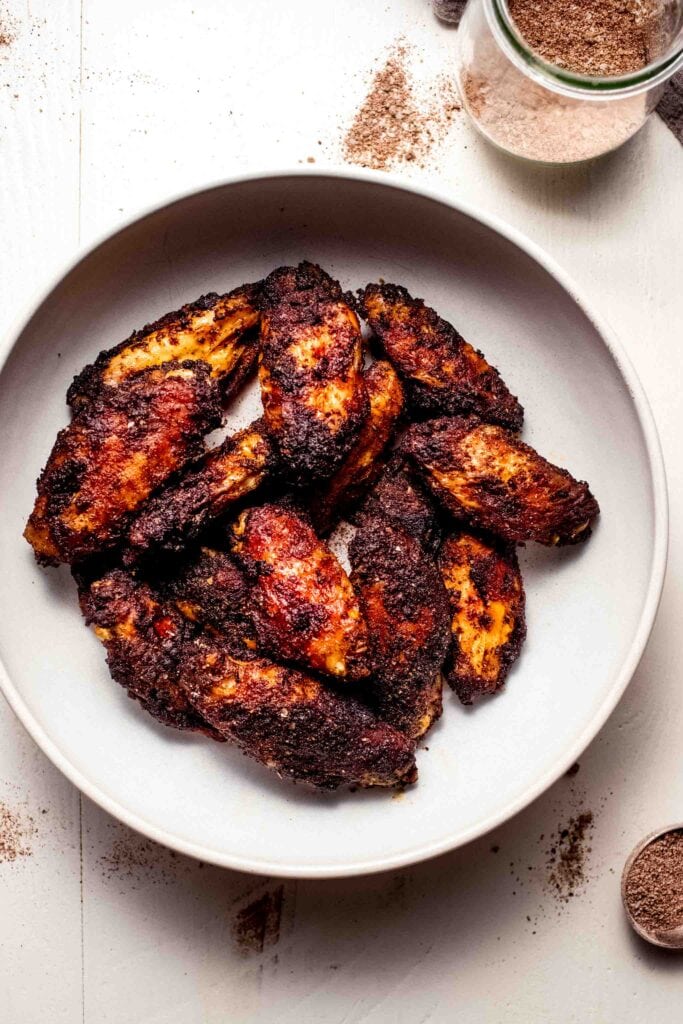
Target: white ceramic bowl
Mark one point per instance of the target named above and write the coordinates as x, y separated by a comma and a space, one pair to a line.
590, 609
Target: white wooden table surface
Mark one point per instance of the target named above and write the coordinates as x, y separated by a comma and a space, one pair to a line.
104, 107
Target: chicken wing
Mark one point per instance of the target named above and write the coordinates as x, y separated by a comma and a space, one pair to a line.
220, 330
486, 595
144, 640
210, 590
485, 476
115, 453
303, 606
405, 606
291, 722
400, 499
362, 464
443, 373
179, 513
310, 372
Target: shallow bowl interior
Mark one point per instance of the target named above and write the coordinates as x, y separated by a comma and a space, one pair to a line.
589, 608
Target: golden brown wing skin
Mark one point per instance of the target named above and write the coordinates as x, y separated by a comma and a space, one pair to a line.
212, 591
362, 464
405, 605
310, 371
303, 605
144, 642
484, 475
486, 595
400, 498
179, 513
291, 722
443, 373
219, 330
114, 454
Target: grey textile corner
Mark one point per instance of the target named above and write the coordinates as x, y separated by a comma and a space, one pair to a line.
670, 107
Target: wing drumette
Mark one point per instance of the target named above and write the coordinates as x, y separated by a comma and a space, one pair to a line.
485, 476
486, 594
219, 330
312, 387
405, 606
443, 373
291, 722
179, 513
303, 606
119, 448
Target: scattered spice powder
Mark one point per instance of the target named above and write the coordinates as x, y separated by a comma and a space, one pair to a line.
591, 37
137, 860
7, 29
16, 832
654, 885
567, 856
392, 127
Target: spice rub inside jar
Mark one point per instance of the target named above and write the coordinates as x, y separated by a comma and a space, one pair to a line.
590, 37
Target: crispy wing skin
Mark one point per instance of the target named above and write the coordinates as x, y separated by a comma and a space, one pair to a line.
212, 591
486, 595
399, 498
179, 513
219, 330
362, 464
443, 373
144, 642
310, 372
406, 609
484, 475
291, 722
115, 453
303, 605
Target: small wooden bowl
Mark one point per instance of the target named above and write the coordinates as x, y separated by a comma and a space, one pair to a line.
667, 940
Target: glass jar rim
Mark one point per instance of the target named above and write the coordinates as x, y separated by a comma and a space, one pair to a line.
571, 83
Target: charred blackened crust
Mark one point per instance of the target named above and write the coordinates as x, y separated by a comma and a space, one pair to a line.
484, 475
482, 577
241, 304
209, 589
400, 499
291, 723
312, 387
144, 640
117, 450
443, 373
406, 609
180, 513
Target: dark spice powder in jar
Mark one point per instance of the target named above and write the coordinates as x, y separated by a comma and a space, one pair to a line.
590, 37
654, 886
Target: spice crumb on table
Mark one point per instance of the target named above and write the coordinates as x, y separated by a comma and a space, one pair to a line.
394, 125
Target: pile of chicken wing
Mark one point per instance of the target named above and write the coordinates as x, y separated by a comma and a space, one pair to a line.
205, 572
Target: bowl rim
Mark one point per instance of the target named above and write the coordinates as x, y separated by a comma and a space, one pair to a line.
650, 605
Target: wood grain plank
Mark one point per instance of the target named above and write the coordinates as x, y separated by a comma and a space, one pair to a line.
40, 892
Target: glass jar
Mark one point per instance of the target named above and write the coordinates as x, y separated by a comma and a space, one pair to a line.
546, 113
